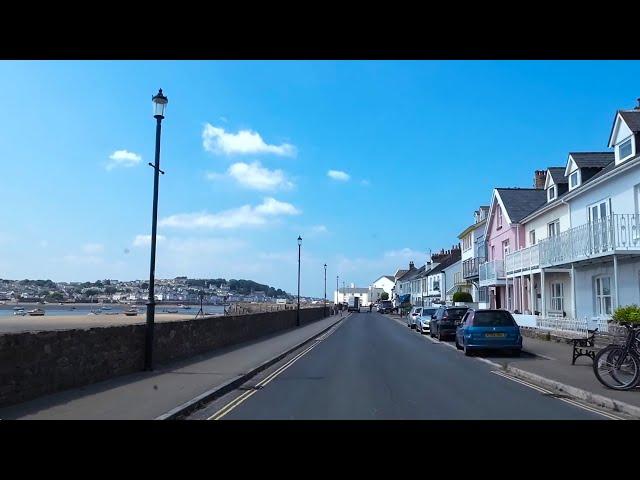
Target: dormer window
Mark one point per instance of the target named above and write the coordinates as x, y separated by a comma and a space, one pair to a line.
625, 150
551, 193
574, 180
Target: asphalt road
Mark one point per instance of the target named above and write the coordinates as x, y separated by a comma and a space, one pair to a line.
373, 367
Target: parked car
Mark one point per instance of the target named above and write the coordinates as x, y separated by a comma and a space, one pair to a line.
488, 329
445, 321
385, 306
411, 317
423, 321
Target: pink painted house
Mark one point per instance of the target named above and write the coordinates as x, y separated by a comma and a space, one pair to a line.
504, 234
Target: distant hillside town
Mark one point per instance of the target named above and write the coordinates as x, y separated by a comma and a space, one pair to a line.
176, 290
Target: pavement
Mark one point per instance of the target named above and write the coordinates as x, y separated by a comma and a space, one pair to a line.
373, 367
149, 395
548, 364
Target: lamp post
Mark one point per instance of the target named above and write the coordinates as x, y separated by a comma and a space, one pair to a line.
325, 290
159, 105
337, 291
298, 311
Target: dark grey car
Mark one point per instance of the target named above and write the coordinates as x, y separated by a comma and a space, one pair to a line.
445, 321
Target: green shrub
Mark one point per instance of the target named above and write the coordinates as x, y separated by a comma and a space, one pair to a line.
627, 314
462, 297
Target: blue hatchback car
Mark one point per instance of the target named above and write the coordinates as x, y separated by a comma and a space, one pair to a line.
488, 330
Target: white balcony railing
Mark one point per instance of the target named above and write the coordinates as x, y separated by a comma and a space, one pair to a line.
458, 279
491, 272
522, 260
613, 233
606, 235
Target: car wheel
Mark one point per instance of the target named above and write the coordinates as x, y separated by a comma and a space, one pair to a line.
458, 346
516, 352
467, 351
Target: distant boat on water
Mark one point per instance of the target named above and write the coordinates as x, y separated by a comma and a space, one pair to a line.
131, 312
36, 312
175, 310
19, 311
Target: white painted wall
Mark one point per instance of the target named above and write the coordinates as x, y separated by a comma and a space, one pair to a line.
628, 284
620, 190
540, 223
384, 284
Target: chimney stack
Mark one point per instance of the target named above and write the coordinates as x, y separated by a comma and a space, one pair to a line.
539, 178
637, 107
411, 267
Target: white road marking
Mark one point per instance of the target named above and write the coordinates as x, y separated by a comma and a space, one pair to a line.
522, 382
236, 402
566, 400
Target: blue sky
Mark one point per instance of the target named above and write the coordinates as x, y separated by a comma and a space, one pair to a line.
248, 146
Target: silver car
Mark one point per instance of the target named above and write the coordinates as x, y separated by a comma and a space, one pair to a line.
412, 316
423, 320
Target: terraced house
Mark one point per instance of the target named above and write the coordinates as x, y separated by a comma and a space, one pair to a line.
581, 255
474, 253
504, 233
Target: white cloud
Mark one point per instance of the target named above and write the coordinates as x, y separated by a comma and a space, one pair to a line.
338, 175
92, 248
145, 240
123, 158
407, 253
318, 229
245, 216
365, 182
216, 140
255, 177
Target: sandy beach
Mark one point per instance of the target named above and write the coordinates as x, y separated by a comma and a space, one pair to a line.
15, 324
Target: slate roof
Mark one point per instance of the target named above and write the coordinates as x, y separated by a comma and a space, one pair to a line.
632, 119
557, 174
389, 277
447, 262
592, 159
520, 202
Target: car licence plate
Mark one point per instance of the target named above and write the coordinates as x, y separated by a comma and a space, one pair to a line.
494, 334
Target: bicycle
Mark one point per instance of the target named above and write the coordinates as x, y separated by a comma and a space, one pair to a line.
618, 366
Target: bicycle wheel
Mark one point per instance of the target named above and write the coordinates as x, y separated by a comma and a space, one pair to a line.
617, 368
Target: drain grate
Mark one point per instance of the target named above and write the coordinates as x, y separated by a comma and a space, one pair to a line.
556, 395
251, 387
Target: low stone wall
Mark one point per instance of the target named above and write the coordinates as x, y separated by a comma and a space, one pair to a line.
38, 363
616, 334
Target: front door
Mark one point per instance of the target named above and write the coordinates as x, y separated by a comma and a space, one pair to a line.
498, 299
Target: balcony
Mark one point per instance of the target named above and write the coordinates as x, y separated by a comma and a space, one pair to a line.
616, 233
470, 267
492, 273
523, 260
459, 280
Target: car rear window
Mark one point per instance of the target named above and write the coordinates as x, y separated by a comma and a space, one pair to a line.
386, 304
456, 313
493, 319
429, 311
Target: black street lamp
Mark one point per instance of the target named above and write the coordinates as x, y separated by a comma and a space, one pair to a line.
159, 105
325, 290
298, 311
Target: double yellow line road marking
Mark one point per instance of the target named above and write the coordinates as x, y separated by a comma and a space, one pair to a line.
246, 395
